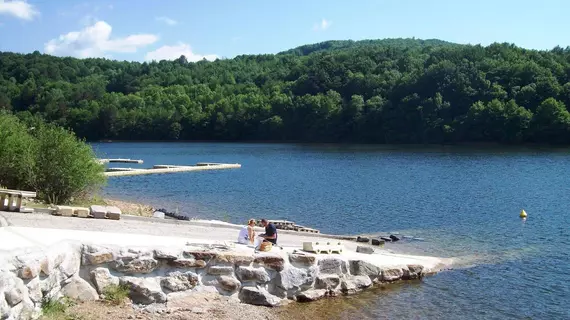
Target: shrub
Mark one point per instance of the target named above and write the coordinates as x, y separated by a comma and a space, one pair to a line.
66, 165
47, 159
17, 154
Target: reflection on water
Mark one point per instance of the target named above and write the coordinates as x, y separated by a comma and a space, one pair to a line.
463, 202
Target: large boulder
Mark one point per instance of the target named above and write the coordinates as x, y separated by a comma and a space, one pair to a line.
363, 268
144, 290
354, 284
389, 275
270, 261
102, 278
203, 255
413, 271
34, 291
311, 295
167, 253
178, 281
332, 265
79, 289
301, 259
93, 255
221, 270
29, 265
296, 278
258, 297
252, 274
327, 281
229, 284
187, 263
5, 309
14, 295
144, 264
71, 264
233, 258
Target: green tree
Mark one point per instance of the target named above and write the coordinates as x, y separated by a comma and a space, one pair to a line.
65, 166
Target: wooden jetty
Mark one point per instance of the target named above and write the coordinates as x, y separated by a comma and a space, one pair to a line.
162, 168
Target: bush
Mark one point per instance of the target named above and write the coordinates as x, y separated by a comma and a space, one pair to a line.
67, 166
17, 154
47, 159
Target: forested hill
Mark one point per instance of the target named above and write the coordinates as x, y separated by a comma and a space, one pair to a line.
350, 44
379, 91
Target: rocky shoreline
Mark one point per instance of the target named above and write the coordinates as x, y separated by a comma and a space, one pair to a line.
160, 276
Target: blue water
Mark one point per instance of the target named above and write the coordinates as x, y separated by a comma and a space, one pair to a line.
463, 201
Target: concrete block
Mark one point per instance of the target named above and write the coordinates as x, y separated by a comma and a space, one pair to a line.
323, 247
98, 212
65, 211
81, 212
113, 213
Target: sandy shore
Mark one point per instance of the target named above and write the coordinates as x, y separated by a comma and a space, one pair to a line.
131, 208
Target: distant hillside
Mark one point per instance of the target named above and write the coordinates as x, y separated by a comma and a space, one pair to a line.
373, 91
349, 44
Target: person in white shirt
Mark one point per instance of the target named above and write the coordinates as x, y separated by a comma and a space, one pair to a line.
247, 234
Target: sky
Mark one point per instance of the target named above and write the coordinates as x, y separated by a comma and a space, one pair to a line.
144, 30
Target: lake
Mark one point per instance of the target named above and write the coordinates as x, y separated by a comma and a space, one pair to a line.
464, 202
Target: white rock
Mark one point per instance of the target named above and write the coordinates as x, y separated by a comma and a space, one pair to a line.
353, 284
294, 278
4, 307
327, 281
332, 266
79, 289
259, 297
252, 274
144, 290
392, 274
158, 214
311, 295
34, 290
102, 278
71, 263
14, 295
220, 270
167, 253
177, 281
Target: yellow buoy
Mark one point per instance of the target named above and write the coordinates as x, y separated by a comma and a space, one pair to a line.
523, 214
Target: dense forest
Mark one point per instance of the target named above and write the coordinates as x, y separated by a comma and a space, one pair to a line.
373, 91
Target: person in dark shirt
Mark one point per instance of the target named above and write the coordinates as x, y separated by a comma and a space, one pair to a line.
270, 232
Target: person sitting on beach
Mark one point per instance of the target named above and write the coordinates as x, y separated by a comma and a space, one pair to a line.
247, 234
270, 232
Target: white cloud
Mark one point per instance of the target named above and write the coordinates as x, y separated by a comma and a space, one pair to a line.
174, 52
167, 20
19, 9
323, 25
96, 41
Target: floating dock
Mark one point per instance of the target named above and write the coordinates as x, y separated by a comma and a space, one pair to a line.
120, 160
162, 168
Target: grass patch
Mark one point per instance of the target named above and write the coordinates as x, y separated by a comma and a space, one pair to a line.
53, 309
116, 294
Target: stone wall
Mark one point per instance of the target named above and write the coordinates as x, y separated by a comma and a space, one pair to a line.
82, 271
